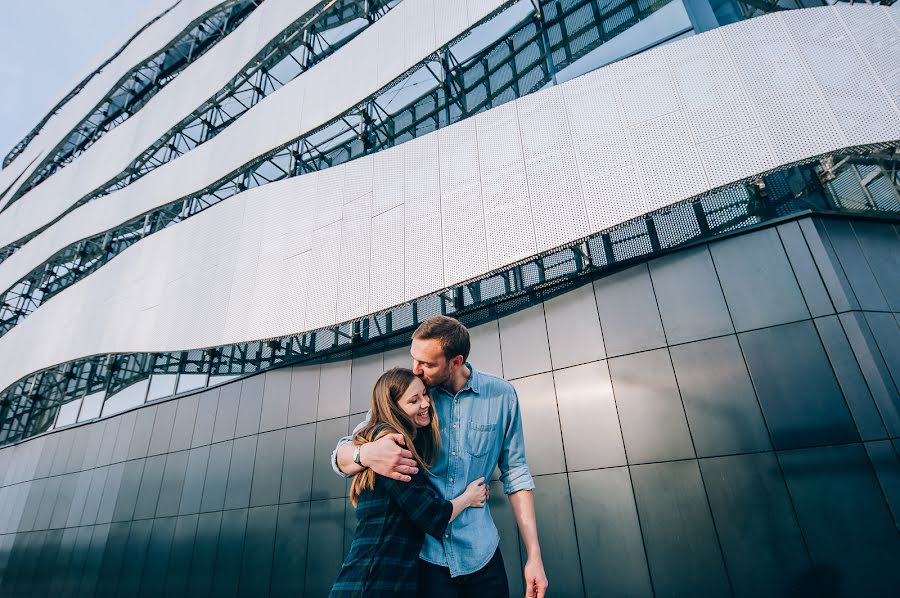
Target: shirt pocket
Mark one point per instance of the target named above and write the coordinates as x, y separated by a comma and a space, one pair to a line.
479, 437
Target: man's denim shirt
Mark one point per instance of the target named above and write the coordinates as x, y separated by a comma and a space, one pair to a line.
480, 428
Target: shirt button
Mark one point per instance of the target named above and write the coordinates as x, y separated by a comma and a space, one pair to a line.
446, 535
451, 479
454, 425
454, 453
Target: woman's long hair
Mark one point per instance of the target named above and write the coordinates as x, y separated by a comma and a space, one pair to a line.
388, 418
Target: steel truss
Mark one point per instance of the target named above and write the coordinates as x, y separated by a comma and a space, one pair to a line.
29, 406
139, 85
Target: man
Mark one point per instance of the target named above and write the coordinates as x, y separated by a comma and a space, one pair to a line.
480, 428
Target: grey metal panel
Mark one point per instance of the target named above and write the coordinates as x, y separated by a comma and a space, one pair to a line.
156, 563
689, 296
90, 572
59, 583
839, 289
540, 424
267, 471
92, 500
296, 475
276, 399
505, 520
228, 553
48, 501
588, 417
185, 419
349, 524
290, 554
848, 529
873, 369
240, 472
148, 495
485, 352
259, 544
758, 281
180, 555
719, 401
143, 428
216, 477
797, 390
63, 501
163, 427
48, 451
79, 556
251, 405
110, 492
127, 423
63, 450
573, 327
82, 485
206, 417
886, 463
523, 343
304, 395
326, 533
104, 453
758, 532
365, 372
805, 270
194, 477
881, 246
849, 376
855, 266
628, 312
679, 535
128, 492
79, 447
116, 540
556, 530
334, 389
650, 409
172, 484
204, 557
325, 483
609, 534
887, 336
226, 412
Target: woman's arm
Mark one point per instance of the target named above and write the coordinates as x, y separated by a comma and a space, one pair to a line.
473, 496
428, 511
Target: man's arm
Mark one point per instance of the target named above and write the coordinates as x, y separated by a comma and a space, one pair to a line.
522, 503
386, 456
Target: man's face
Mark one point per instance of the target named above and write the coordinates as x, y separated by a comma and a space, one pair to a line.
429, 362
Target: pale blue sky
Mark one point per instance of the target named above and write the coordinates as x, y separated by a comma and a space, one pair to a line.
44, 46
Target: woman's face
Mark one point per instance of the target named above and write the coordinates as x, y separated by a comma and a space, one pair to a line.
416, 404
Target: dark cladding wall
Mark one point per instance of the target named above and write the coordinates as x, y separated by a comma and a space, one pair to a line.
723, 420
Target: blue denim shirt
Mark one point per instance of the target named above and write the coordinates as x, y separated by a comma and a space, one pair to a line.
481, 428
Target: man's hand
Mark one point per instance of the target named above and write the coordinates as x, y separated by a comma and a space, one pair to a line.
388, 457
535, 579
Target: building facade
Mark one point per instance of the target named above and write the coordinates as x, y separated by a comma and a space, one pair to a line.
674, 225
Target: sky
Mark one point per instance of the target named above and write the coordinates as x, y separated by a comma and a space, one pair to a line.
45, 45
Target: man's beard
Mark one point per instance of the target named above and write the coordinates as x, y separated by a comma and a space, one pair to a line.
439, 381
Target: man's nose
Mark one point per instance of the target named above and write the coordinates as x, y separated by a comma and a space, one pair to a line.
417, 368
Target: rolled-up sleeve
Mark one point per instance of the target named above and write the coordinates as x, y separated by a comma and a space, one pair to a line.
514, 472
344, 440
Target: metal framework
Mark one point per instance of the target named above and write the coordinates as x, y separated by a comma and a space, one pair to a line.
139, 85
850, 183
516, 63
21, 145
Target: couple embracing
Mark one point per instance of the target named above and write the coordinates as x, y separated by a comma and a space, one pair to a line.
420, 466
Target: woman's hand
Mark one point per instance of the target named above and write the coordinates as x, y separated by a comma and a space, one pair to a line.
476, 493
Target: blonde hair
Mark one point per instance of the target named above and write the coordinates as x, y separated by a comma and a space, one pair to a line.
388, 418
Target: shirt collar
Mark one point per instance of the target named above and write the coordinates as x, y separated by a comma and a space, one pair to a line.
473, 383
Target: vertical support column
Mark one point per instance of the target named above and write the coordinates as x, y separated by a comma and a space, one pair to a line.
545, 41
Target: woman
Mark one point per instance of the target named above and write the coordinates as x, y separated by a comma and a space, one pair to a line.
393, 517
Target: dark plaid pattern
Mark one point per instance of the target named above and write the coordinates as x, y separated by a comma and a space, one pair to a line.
392, 520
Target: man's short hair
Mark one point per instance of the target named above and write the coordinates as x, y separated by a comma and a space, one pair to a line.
453, 336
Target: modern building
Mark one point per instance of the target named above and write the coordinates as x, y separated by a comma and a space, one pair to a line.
674, 225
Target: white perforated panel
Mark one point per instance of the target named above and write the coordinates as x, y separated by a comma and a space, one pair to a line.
389, 179
329, 199
507, 210
462, 216
644, 87
424, 268
736, 156
353, 277
878, 39
323, 284
553, 184
842, 76
450, 17
420, 41
796, 120
386, 268
669, 164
